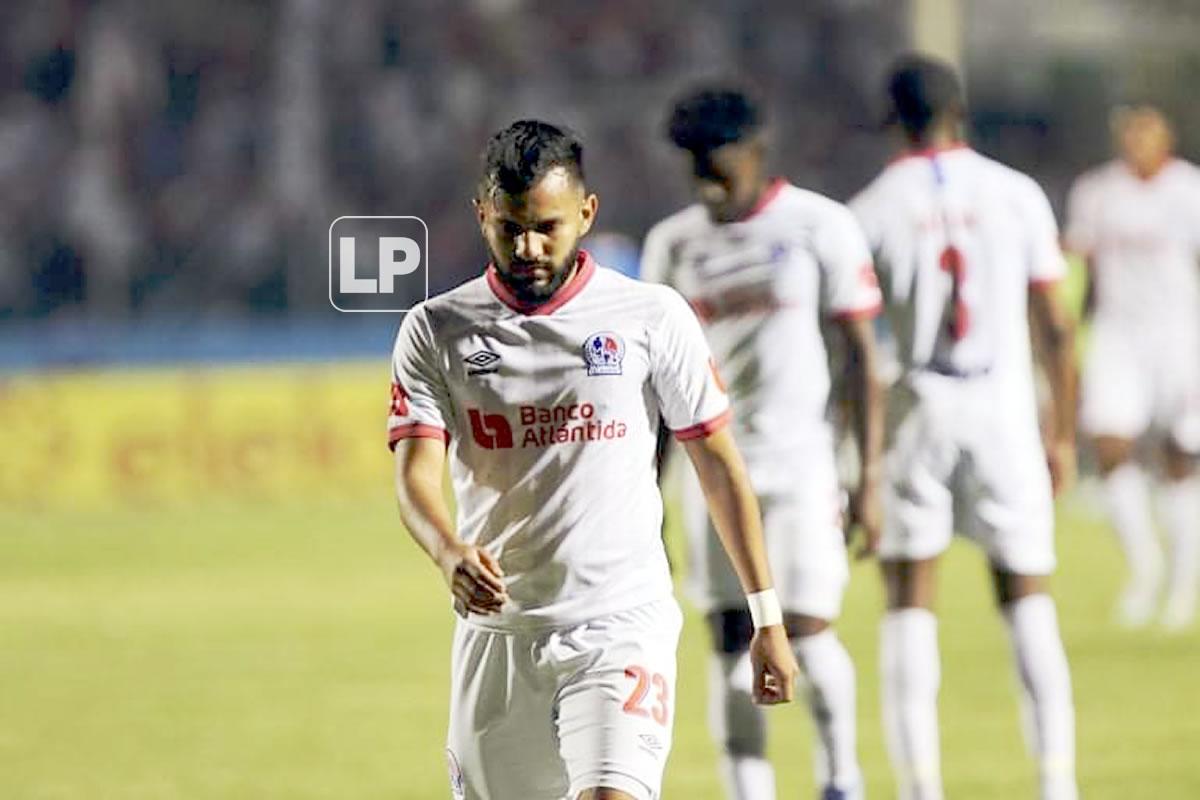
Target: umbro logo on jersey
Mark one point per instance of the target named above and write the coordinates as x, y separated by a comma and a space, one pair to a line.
482, 362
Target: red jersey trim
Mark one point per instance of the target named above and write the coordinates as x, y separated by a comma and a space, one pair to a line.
706, 428
416, 430
930, 152
769, 194
868, 312
584, 270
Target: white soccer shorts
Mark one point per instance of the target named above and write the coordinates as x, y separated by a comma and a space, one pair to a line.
546, 714
962, 459
806, 545
1131, 388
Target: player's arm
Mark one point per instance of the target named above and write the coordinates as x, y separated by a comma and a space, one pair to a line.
1055, 347
734, 509
867, 402
474, 577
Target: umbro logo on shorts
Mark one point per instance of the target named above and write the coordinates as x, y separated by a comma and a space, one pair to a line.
482, 362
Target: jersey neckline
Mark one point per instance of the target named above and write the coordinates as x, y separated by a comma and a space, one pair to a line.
585, 268
769, 194
931, 152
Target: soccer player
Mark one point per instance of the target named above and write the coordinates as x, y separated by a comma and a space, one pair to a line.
1137, 220
543, 382
766, 264
967, 254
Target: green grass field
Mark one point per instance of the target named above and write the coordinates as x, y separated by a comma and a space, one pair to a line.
301, 651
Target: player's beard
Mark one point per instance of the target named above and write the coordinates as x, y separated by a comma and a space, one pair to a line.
527, 288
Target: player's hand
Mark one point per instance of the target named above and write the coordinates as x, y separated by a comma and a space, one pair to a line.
1060, 456
474, 577
775, 667
866, 513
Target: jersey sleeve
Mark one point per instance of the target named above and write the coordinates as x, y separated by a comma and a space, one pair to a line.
690, 392
849, 288
420, 404
1080, 234
1045, 258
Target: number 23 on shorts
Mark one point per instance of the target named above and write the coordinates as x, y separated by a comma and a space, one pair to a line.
637, 701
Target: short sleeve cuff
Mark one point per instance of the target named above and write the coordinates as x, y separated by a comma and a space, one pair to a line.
704, 429
863, 312
416, 430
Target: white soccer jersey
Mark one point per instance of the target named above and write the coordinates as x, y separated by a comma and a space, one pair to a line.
550, 414
1143, 238
958, 238
762, 287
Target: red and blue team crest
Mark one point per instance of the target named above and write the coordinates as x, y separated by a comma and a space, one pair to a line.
603, 353
457, 789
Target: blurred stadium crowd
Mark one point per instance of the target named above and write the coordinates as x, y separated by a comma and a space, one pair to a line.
183, 156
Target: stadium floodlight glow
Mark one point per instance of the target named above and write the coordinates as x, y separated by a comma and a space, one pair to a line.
379, 263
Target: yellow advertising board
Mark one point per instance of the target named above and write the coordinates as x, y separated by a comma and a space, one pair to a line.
159, 436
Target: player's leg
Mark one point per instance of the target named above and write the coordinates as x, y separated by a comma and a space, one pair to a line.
918, 524
1127, 491
827, 666
738, 726
616, 700
807, 550
1116, 410
1179, 503
1041, 662
1012, 517
501, 741
910, 670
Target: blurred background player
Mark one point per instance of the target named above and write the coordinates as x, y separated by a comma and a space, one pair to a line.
965, 248
563, 666
1137, 221
765, 264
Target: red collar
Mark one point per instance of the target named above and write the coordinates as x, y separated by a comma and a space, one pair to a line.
585, 268
770, 193
930, 152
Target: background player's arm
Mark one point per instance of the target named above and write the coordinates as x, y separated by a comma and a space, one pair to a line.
474, 577
1056, 348
866, 399
735, 511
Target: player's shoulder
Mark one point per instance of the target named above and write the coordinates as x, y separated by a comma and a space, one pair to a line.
455, 306
633, 298
1098, 176
1185, 172
1019, 185
683, 223
795, 200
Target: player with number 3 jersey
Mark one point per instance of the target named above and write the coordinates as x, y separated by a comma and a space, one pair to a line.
966, 250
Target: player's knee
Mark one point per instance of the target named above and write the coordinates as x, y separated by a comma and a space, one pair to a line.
1011, 587
1112, 452
909, 584
731, 630
800, 625
1178, 464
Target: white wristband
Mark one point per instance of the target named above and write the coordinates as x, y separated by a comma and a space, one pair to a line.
764, 608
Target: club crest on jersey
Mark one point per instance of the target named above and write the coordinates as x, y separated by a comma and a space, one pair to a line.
603, 353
